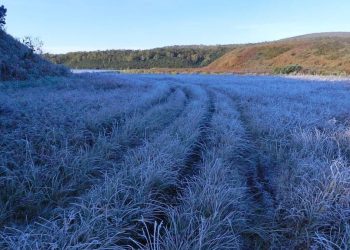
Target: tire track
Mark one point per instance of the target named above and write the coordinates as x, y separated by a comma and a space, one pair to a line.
74, 195
190, 166
189, 169
256, 177
139, 141
135, 240
253, 167
194, 157
120, 119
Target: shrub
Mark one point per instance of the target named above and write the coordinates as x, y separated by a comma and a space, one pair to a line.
35, 45
289, 69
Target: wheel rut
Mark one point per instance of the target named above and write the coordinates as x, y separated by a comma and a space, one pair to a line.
257, 178
120, 119
253, 164
189, 169
191, 165
194, 157
74, 196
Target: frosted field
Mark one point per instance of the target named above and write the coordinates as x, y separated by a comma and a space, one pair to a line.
82, 71
114, 161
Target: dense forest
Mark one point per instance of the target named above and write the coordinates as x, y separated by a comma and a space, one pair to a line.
166, 57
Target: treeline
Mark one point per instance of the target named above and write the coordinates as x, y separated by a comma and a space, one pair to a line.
166, 57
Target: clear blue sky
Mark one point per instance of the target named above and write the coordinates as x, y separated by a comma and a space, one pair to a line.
75, 25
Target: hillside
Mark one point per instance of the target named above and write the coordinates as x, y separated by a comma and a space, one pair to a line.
166, 57
17, 62
318, 53
324, 53
320, 35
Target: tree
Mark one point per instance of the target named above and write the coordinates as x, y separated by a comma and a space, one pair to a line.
35, 45
3, 11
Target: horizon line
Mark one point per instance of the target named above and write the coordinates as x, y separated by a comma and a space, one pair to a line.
89, 50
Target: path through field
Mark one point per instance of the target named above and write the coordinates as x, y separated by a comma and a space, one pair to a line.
114, 161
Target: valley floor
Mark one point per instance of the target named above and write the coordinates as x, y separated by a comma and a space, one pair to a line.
117, 161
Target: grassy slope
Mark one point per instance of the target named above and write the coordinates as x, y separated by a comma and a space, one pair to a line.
18, 63
321, 54
317, 54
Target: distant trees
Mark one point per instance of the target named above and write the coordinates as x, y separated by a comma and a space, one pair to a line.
3, 11
167, 57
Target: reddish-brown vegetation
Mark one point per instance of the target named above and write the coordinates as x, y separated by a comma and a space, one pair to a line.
324, 54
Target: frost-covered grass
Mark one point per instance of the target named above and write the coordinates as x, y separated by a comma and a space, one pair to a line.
57, 140
112, 161
303, 128
213, 210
